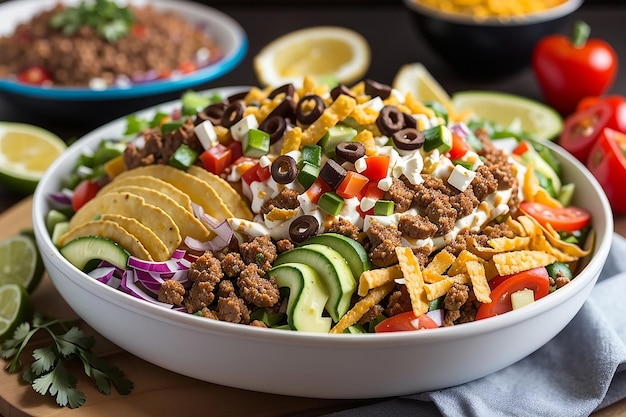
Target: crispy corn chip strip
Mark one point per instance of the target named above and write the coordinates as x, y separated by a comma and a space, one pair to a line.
416, 106
439, 288
364, 115
441, 262
109, 230
566, 247
508, 263
376, 277
515, 226
458, 266
292, 140
431, 277
281, 214
460, 278
362, 306
533, 192
476, 272
366, 137
503, 244
255, 94
336, 112
413, 280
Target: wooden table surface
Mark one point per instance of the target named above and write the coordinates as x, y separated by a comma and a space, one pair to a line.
162, 393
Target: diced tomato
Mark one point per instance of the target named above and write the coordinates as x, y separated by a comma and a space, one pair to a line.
34, 75
315, 191
459, 147
377, 167
187, 67
236, 149
536, 279
405, 322
138, 30
216, 158
352, 184
84, 191
521, 148
566, 219
372, 191
256, 173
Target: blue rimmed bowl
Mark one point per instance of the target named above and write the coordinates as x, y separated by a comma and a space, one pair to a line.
87, 106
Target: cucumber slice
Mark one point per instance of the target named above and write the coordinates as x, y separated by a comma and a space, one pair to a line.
83, 249
307, 296
333, 271
351, 250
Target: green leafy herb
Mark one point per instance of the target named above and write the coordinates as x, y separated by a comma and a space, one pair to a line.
48, 374
109, 19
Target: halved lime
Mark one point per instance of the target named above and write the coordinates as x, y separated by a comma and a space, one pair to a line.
20, 262
510, 110
15, 308
26, 152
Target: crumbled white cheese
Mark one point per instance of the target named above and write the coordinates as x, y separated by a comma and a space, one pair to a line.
206, 134
461, 177
240, 129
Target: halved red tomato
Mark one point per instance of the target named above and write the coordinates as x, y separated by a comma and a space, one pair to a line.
566, 219
581, 129
404, 322
34, 75
536, 279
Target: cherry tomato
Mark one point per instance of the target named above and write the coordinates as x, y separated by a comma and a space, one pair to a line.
459, 147
404, 322
560, 63
34, 75
581, 129
607, 163
618, 107
84, 191
566, 219
536, 279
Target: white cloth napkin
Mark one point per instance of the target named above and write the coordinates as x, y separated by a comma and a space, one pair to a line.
575, 374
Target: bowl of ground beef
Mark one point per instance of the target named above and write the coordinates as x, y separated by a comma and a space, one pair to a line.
232, 324
103, 59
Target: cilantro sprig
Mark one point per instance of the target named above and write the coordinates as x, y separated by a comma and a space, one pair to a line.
109, 19
48, 373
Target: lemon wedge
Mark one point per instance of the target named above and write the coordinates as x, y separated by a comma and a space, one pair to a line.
26, 152
323, 52
414, 78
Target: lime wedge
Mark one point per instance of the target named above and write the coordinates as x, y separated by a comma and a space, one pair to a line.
414, 78
26, 152
511, 111
15, 308
20, 262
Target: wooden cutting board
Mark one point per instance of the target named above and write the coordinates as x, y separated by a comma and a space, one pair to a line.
157, 392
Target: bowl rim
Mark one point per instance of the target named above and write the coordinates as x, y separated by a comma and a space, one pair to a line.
552, 13
225, 30
587, 276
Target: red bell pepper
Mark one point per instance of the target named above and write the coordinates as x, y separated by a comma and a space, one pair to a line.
607, 163
376, 167
569, 69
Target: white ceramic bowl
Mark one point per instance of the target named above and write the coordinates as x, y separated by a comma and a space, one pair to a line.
319, 365
77, 104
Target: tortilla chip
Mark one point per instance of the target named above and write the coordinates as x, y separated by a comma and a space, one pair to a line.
130, 205
238, 205
439, 288
155, 246
110, 230
153, 183
199, 191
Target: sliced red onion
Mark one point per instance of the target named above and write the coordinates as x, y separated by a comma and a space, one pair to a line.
102, 274
150, 266
143, 77
461, 129
437, 316
222, 230
62, 198
152, 281
129, 286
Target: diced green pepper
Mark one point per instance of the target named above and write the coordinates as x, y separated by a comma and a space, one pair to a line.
331, 202
169, 127
312, 154
255, 143
183, 157
308, 174
384, 208
193, 102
